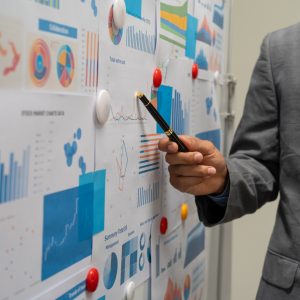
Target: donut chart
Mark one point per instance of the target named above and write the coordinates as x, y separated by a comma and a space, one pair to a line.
114, 33
65, 66
39, 63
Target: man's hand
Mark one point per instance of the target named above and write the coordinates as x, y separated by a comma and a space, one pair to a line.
202, 171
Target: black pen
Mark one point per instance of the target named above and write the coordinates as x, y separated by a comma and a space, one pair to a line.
162, 123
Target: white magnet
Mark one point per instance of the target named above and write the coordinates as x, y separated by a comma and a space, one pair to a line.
130, 291
103, 106
119, 13
216, 77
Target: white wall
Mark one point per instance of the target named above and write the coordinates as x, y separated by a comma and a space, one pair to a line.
251, 21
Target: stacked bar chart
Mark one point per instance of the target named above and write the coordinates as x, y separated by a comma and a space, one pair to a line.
139, 40
149, 154
14, 177
148, 195
51, 3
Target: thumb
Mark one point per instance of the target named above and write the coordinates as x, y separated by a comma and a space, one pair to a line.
197, 145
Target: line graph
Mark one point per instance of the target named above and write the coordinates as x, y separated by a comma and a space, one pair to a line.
134, 112
67, 228
122, 163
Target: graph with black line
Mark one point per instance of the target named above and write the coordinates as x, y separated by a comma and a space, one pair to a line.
148, 195
67, 228
122, 163
14, 177
139, 40
149, 155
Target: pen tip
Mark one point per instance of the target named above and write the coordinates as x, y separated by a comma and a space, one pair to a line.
139, 95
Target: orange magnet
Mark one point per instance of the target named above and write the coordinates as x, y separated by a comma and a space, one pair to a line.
184, 211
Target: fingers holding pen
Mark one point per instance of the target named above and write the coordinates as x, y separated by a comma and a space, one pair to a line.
199, 171
184, 158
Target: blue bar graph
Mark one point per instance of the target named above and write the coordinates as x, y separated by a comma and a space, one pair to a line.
140, 41
14, 177
50, 3
178, 122
148, 195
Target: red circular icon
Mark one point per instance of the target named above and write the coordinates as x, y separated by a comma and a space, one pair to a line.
195, 70
92, 280
157, 78
163, 225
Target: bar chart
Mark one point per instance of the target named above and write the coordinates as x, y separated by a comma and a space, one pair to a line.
148, 195
14, 177
51, 3
139, 40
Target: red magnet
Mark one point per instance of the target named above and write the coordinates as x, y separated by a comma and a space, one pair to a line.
92, 280
195, 70
157, 78
163, 225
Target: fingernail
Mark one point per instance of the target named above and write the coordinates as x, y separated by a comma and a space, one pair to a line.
211, 171
198, 157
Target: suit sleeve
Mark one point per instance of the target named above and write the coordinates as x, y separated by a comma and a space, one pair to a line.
253, 162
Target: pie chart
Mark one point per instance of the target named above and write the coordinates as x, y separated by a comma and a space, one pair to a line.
110, 271
39, 62
65, 65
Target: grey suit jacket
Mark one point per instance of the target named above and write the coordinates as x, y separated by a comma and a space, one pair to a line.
265, 160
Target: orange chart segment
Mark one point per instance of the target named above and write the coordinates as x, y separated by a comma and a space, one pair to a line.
65, 66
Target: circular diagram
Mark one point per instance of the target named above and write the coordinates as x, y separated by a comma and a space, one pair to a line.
114, 32
65, 66
110, 271
39, 62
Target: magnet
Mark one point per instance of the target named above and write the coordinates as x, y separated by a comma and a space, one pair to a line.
195, 71
119, 13
103, 106
130, 291
157, 78
92, 280
163, 225
216, 77
184, 211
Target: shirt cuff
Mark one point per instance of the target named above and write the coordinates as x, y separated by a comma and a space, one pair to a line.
221, 199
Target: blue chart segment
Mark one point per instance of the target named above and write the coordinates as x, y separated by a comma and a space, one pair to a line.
201, 60
74, 292
67, 228
149, 158
139, 40
134, 8
178, 122
110, 271
190, 47
129, 259
213, 135
148, 195
51, 3
218, 15
97, 179
14, 180
195, 244
164, 104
